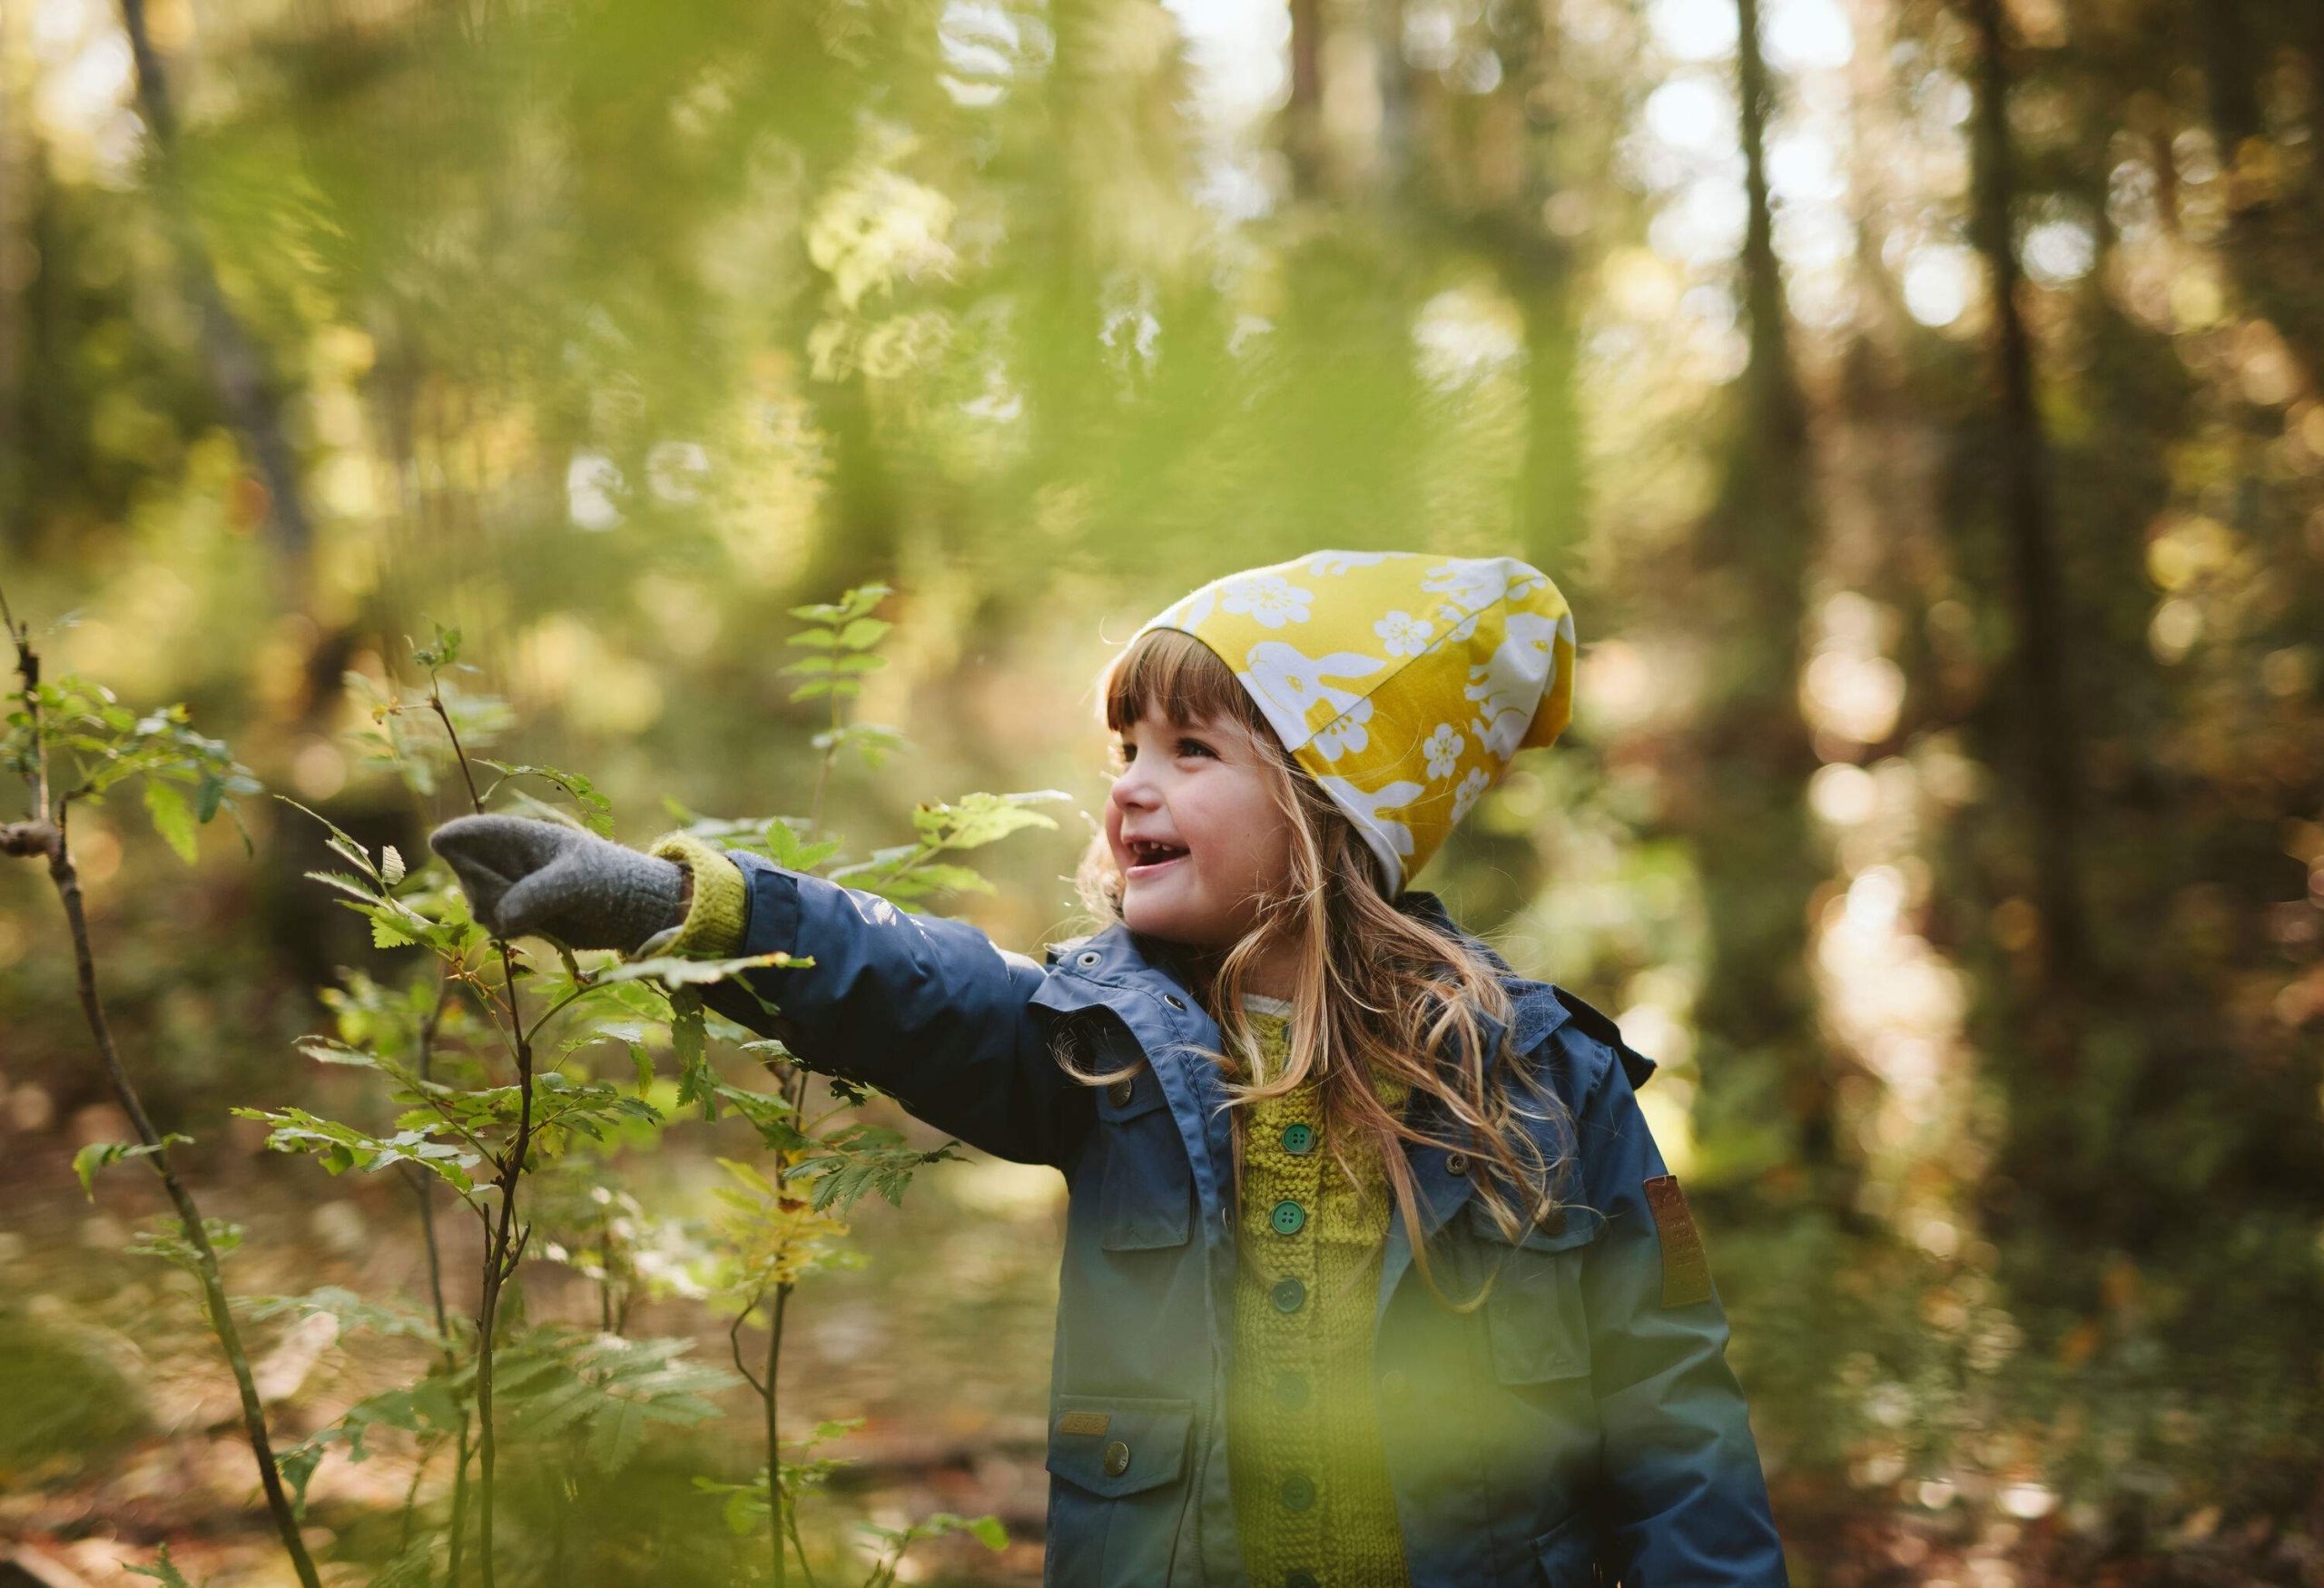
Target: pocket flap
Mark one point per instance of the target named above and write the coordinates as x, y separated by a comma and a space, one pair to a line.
1111, 1447
1137, 1093
1568, 1553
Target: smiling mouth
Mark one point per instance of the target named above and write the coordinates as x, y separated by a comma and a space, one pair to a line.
1152, 859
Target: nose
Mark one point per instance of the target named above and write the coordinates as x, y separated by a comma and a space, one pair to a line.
1129, 790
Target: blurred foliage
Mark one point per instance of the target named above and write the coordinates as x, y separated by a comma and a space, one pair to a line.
606, 333
71, 1407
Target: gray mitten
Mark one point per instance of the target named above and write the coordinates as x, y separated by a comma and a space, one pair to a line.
524, 876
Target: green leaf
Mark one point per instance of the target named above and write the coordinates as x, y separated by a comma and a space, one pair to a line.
855, 603
977, 819
297, 1465
100, 1155
339, 841
741, 1512
166, 1240
207, 798
163, 1571
697, 1082
352, 1311
863, 632
596, 811
684, 972
172, 820
390, 865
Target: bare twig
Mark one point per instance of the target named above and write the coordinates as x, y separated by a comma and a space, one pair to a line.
424, 1187
504, 1243
53, 839
734, 1345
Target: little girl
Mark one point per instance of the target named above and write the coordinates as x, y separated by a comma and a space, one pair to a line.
1372, 1275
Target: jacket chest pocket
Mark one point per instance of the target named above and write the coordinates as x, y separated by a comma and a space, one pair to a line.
1540, 1331
1146, 1194
1118, 1490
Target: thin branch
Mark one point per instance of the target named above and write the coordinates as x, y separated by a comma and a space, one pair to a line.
66, 879
436, 699
734, 1345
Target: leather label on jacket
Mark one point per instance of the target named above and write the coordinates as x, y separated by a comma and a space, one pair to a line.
1091, 1423
1686, 1272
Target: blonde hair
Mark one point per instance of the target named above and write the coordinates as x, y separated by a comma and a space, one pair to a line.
1375, 988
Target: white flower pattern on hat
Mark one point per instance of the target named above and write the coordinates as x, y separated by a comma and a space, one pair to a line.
1443, 750
1510, 684
1269, 599
1331, 563
1474, 585
1282, 675
1402, 634
1466, 794
1344, 733
1365, 806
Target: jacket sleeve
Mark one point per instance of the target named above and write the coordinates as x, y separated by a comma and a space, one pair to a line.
927, 1009
1687, 1502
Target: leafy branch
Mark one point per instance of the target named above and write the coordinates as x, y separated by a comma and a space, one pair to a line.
102, 743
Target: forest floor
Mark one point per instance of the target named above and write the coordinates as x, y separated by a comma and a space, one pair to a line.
940, 1342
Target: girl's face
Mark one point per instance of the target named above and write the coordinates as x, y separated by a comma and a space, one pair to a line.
1199, 791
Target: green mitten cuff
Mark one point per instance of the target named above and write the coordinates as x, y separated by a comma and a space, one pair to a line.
713, 928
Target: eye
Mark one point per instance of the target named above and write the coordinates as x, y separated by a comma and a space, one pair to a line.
1198, 747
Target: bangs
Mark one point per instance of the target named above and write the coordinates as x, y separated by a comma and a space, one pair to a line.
1171, 671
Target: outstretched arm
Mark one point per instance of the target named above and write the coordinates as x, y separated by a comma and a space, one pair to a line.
925, 1007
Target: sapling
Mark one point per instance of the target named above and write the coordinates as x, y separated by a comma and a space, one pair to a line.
77, 728
482, 1141
774, 1235
593, 1393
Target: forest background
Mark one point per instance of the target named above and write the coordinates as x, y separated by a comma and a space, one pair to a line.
1918, 403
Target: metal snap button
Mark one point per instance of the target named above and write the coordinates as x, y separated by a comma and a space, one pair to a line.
1458, 1164
1117, 1459
1551, 1220
1087, 957
1288, 1218
1173, 1000
1118, 1092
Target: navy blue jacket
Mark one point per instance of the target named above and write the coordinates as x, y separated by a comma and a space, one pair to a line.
1580, 1429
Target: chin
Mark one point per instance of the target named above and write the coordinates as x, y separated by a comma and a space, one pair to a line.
1152, 917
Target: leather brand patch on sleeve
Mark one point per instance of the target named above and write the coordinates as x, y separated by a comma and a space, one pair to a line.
1685, 1271
1091, 1423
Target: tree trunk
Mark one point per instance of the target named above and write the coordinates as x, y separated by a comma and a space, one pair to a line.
1751, 753
2035, 590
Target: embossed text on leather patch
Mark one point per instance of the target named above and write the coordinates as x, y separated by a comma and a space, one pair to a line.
1092, 1422
1685, 1271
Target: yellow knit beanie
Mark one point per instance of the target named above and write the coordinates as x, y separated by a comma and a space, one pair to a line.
1404, 682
